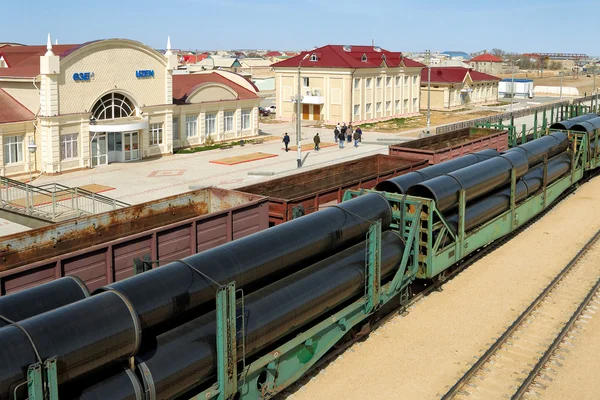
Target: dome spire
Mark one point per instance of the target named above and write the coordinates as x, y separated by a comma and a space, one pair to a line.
49, 47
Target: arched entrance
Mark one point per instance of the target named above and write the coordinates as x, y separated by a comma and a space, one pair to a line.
114, 130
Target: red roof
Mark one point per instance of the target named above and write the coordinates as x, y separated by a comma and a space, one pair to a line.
334, 56
455, 75
486, 58
13, 111
273, 54
194, 58
24, 61
184, 85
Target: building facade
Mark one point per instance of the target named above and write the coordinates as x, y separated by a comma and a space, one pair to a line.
487, 64
455, 87
112, 100
348, 84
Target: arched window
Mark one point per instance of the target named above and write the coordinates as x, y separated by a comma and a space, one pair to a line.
113, 105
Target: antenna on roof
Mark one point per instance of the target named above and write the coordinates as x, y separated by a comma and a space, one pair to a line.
347, 48
49, 47
372, 42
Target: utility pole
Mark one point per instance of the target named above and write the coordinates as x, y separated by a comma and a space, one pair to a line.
561, 79
512, 88
595, 98
428, 57
298, 115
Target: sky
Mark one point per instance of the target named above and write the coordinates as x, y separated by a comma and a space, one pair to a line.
511, 25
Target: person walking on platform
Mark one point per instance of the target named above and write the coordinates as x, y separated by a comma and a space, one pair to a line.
342, 140
317, 141
359, 133
286, 141
336, 133
356, 137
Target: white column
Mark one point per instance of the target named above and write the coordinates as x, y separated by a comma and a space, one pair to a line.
220, 125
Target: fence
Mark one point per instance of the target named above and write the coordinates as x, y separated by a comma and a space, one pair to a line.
517, 114
53, 202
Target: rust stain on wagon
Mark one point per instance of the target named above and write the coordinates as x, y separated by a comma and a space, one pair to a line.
80, 233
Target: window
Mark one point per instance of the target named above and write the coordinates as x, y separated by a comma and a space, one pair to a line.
356, 109
397, 105
414, 79
68, 146
191, 125
229, 121
13, 149
175, 128
378, 106
356, 83
113, 105
406, 80
314, 57
397, 81
388, 81
363, 58
388, 105
414, 104
368, 108
378, 82
406, 105
156, 134
305, 82
211, 124
368, 84
246, 119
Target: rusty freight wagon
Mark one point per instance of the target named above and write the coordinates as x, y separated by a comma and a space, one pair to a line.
299, 194
446, 146
100, 248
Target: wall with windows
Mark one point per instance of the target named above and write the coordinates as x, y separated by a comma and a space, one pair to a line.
459, 95
16, 159
193, 124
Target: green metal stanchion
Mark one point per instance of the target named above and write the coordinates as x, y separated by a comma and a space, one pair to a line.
373, 280
535, 125
524, 134
226, 342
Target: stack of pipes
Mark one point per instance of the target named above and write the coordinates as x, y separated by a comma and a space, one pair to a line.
164, 319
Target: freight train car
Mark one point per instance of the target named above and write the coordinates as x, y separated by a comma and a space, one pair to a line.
306, 285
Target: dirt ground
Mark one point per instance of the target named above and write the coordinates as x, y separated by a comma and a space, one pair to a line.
420, 355
420, 121
551, 78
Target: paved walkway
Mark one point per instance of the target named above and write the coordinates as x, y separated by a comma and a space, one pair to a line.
146, 180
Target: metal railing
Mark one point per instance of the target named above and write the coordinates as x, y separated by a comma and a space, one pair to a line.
53, 201
507, 116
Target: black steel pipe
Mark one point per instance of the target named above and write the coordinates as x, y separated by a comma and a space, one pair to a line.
185, 357
402, 183
117, 383
476, 180
39, 299
84, 336
499, 202
549, 145
588, 126
567, 124
175, 290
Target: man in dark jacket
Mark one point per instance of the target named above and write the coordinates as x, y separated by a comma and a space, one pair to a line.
359, 133
336, 133
286, 141
317, 141
356, 136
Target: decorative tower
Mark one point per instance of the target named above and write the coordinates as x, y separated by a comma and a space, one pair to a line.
172, 63
49, 132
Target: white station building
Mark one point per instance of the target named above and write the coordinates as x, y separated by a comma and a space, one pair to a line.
70, 107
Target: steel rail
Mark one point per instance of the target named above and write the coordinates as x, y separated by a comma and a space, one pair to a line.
548, 353
519, 321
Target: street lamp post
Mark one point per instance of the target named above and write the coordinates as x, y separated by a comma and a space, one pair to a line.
32, 147
298, 115
561, 79
428, 52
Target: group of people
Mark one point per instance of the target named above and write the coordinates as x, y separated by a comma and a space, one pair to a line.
345, 133
341, 134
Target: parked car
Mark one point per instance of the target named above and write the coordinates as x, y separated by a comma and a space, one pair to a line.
263, 112
272, 109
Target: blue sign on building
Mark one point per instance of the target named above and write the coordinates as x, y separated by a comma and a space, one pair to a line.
82, 76
144, 73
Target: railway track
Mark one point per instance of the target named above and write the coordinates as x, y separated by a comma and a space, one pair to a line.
512, 366
436, 285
